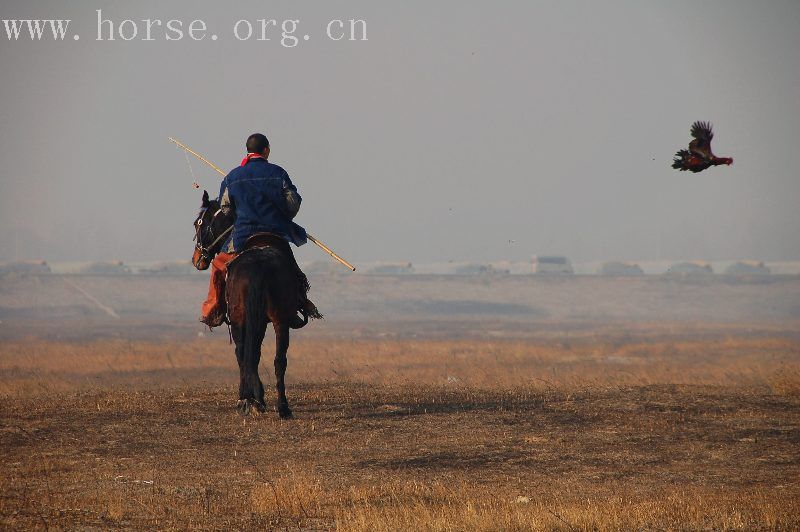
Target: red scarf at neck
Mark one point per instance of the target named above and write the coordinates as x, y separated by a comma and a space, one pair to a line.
250, 156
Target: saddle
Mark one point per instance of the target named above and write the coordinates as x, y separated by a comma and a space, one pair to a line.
268, 240
272, 240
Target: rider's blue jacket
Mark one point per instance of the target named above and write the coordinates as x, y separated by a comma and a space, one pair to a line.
263, 199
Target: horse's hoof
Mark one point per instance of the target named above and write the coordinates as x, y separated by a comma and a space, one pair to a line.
243, 406
259, 405
284, 411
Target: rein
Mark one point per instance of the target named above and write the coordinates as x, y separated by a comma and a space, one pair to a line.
220, 237
205, 251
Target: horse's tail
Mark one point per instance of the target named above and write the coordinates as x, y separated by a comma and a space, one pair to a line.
256, 311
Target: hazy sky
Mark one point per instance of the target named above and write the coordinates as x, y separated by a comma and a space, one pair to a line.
458, 131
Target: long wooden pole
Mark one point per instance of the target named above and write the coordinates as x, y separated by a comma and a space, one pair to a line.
319, 243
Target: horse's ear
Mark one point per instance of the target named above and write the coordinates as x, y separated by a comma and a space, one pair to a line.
205, 198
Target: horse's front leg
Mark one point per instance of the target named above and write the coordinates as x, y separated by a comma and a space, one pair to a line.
281, 347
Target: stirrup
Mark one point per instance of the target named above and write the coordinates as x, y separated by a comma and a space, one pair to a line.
297, 322
214, 320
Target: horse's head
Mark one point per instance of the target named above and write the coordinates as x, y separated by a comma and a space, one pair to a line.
211, 228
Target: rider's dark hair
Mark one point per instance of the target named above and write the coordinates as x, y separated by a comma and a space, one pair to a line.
256, 143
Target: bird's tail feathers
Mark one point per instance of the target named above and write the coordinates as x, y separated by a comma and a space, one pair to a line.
681, 157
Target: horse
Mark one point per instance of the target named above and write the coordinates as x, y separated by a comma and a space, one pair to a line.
261, 287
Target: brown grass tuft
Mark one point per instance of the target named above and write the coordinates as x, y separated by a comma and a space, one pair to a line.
296, 497
445, 508
786, 382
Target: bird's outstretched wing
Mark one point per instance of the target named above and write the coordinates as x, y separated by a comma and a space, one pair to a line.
701, 144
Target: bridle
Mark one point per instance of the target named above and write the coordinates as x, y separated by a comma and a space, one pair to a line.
205, 252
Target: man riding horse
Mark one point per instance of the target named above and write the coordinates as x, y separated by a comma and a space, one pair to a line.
262, 200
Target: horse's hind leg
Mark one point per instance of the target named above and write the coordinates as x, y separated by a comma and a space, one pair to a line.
238, 337
254, 386
251, 390
281, 347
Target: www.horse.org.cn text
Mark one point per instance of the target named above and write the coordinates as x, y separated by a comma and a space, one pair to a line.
285, 33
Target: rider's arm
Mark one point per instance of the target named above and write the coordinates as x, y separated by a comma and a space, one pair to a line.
227, 208
292, 197
225, 203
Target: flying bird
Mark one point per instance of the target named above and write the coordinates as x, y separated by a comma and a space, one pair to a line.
699, 155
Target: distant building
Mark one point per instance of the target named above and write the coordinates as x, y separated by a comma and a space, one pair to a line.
106, 268
690, 268
620, 269
478, 269
25, 266
552, 265
183, 267
322, 266
397, 268
747, 267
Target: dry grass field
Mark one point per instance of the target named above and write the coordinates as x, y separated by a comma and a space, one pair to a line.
421, 403
646, 429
